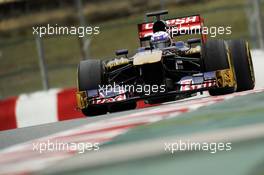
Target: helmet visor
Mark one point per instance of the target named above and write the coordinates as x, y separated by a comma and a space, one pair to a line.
161, 44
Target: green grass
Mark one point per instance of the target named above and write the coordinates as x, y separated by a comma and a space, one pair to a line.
19, 54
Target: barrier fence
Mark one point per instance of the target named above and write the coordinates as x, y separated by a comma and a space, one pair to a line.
19, 53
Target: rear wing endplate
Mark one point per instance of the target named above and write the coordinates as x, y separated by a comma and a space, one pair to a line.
178, 26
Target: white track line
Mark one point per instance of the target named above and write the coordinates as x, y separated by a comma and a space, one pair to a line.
148, 148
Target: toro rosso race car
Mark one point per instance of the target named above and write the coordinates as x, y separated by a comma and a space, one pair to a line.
164, 69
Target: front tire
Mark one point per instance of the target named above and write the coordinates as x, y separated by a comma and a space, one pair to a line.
242, 60
90, 74
215, 57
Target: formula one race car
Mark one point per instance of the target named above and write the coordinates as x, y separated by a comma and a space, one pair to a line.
165, 69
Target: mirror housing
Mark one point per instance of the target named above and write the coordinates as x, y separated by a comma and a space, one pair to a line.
121, 52
193, 41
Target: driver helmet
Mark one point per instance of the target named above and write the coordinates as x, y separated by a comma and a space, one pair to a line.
160, 40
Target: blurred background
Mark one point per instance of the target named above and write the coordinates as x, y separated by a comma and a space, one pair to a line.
30, 64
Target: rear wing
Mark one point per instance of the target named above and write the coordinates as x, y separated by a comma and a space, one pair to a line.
177, 26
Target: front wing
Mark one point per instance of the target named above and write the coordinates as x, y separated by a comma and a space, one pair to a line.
187, 85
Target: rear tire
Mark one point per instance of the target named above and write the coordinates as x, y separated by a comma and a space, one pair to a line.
90, 77
242, 60
215, 57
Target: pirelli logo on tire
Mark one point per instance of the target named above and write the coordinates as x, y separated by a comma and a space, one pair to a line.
225, 78
81, 98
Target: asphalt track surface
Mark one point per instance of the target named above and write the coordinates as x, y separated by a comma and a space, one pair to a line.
16, 136
20, 135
